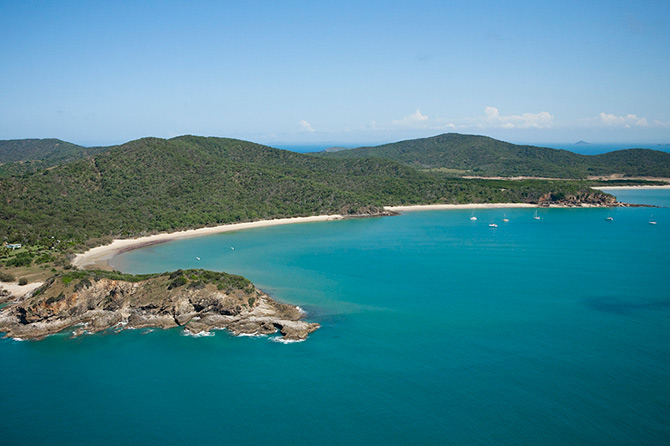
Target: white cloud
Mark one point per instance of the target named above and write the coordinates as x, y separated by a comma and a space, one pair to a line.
306, 126
491, 119
627, 121
415, 120
527, 120
448, 126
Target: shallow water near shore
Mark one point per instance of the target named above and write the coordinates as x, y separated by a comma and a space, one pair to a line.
435, 330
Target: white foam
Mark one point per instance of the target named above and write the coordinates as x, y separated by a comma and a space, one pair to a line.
282, 340
303, 312
251, 335
119, 327
200, 334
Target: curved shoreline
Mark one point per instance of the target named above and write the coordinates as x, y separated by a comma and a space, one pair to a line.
99, 256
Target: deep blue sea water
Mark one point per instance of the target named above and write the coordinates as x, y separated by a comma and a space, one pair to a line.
435, 330
597, 148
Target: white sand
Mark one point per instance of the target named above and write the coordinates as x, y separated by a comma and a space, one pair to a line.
98, 257
17, 290
430, 207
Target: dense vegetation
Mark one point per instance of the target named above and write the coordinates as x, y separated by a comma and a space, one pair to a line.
483, 156
155, 185
192, 278
21, 156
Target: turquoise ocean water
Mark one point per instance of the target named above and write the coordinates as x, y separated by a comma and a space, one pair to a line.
435, 330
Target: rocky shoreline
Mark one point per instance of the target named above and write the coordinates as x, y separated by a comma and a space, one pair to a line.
591, 198
197, 300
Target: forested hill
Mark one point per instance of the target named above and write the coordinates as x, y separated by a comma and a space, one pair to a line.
19, 156
484, 156
155, 185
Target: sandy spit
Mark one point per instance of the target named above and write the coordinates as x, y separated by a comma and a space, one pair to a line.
99, 256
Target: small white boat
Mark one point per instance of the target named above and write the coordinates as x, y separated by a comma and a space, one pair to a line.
651, 220
505, 219
232, 249
609, 219
473, 218
197, 258
536, 217
493, 225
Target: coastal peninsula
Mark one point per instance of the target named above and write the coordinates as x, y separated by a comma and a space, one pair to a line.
197, 300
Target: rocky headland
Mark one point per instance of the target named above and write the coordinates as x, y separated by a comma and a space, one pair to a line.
197, 300
594, 198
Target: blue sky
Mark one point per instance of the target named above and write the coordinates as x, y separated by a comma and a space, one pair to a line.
320, 71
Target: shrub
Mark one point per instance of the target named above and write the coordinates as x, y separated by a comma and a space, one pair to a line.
196, 285
44, 258
23, 281
21, 259
53, 299
6, 277
83, 283
179, 281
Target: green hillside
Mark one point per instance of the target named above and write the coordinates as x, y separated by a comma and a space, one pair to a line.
484, 156
155, 185
632, 162
20, 156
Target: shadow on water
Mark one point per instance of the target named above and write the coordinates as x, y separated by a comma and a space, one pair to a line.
325, 318
615, 305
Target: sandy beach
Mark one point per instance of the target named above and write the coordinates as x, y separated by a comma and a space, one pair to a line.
430, 207
99, 256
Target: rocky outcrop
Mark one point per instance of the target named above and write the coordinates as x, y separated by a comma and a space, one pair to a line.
92, 304
585, 198
5, 296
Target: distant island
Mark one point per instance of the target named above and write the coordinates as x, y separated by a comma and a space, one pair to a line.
60, 199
